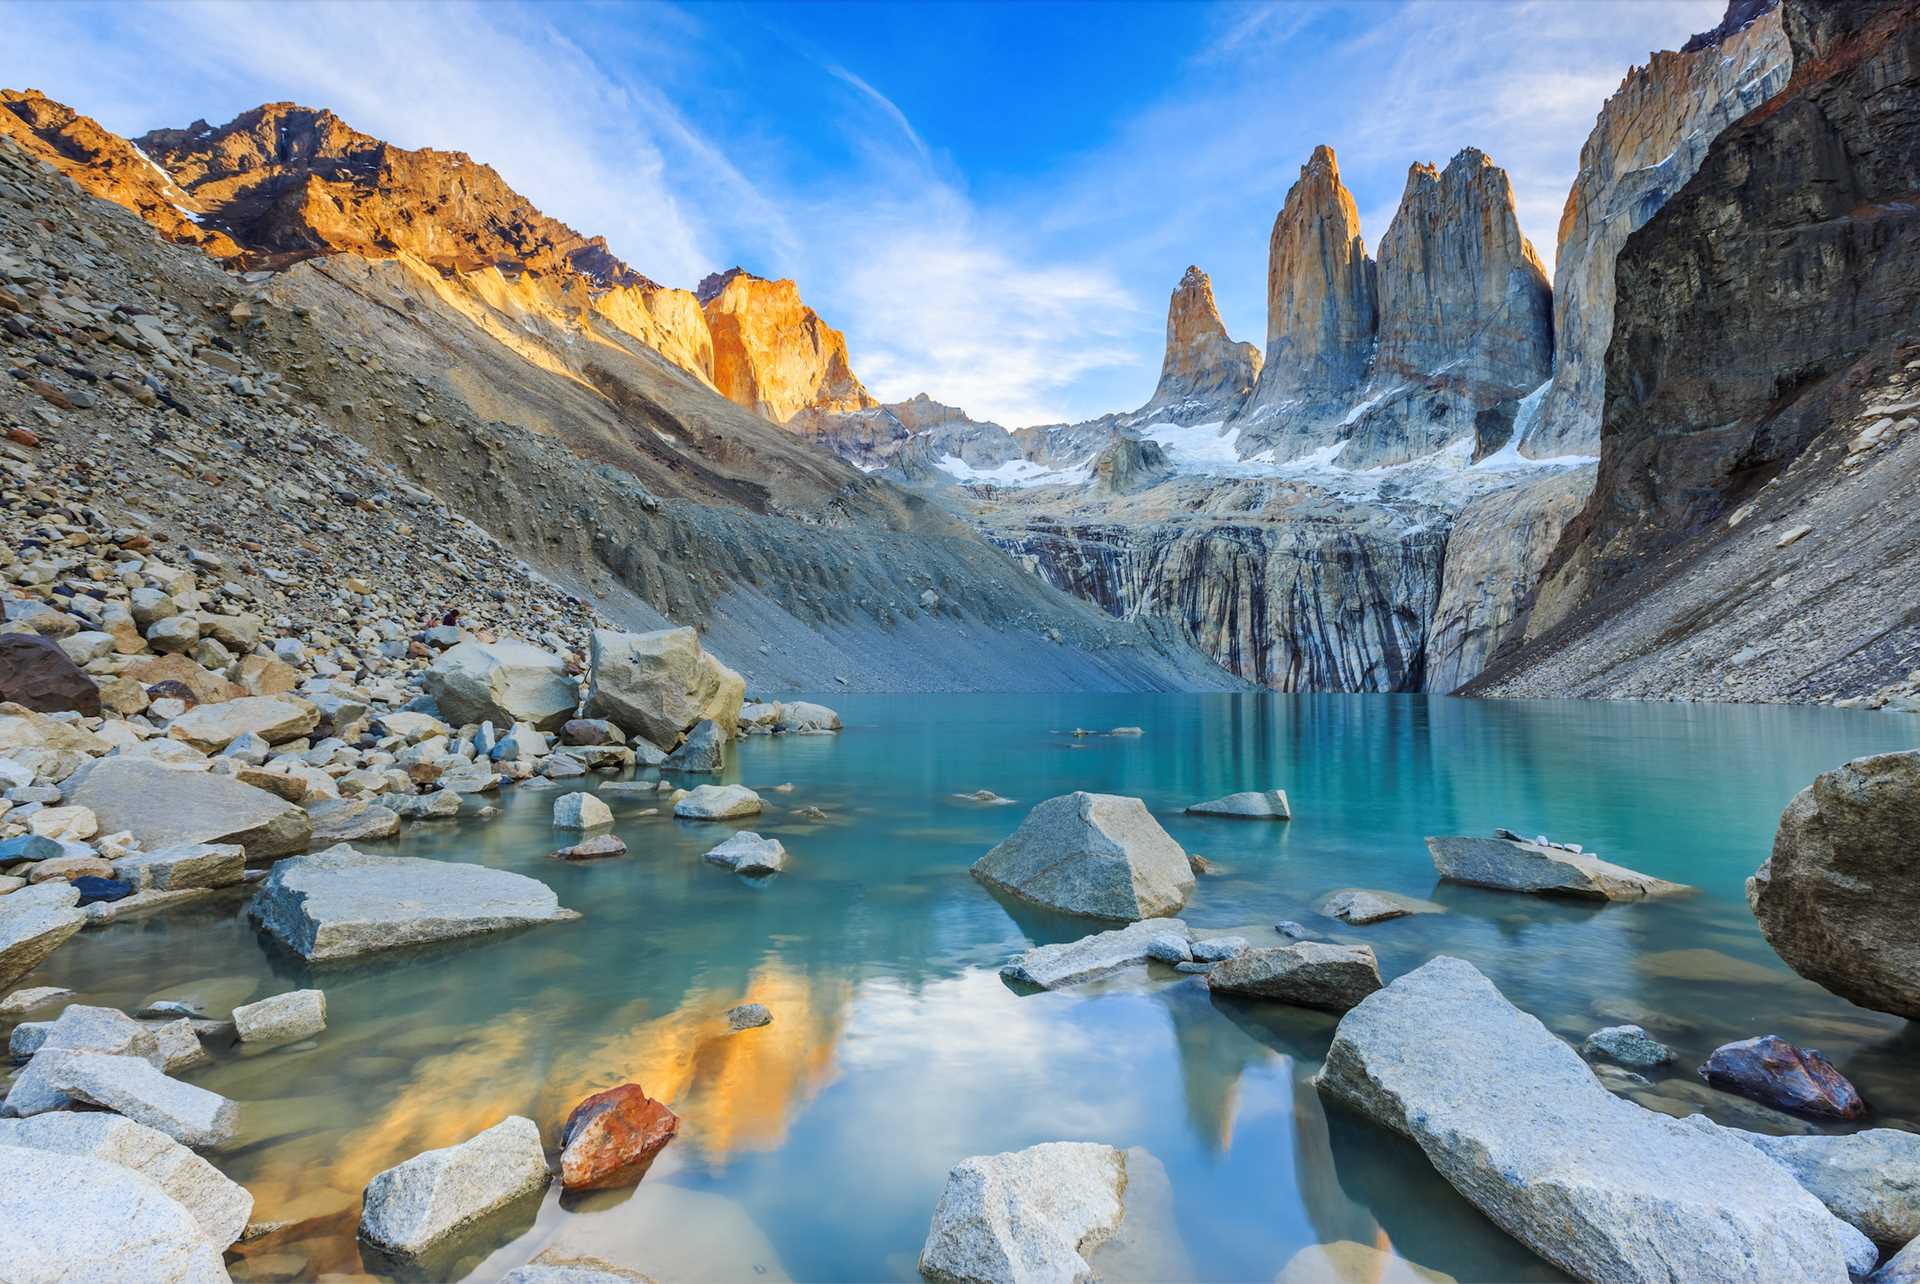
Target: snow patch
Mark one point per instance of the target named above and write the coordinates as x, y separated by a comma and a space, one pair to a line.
1016, 472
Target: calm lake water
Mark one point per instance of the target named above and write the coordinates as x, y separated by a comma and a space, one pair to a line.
816, 1148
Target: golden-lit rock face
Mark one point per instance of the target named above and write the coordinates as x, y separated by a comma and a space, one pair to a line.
1321, 304
772, 353
283, 183
1204, 370
106, 165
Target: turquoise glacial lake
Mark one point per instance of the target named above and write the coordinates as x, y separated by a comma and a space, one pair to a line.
816, 1148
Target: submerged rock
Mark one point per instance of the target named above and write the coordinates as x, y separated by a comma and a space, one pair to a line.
1027, 1215
220, 1207
1515, 865
1097, 855
610, 1138
1600, 1187
1839, 896
559, 1265
1360, 906
1628, 1045
1774, 1072
717, 802
1270, 804
598, 848
748, 853
1307, 974
412, 1207
748, 1016
67, 1216
341, 903
1349, 1262
1102, 954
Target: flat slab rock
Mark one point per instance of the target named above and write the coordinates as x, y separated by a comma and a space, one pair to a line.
34, 922
342, 903
412, 1207
1361, 906
1096, 855
1869, 1180
164, 807
718, 802
67, 1216
1602, 1188
133, 1087
1515, 865
1306, 974
1092, 957
1252, 804
1027, 1215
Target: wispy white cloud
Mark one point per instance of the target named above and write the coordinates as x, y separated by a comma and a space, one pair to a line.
887, 107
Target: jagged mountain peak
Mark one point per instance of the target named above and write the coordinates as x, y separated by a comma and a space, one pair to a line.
1204, 373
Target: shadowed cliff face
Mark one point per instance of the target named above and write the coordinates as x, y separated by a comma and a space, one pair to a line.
1646, 143
1754, 529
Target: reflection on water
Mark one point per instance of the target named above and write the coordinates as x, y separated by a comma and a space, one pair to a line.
815, 1148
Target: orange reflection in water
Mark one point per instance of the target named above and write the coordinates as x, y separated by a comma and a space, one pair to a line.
733, 1090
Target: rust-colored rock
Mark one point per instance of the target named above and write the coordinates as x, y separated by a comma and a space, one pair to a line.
772, 353
35, 672
610, 1138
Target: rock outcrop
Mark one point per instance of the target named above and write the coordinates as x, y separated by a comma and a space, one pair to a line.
1601, 1187
74, 1216
1752, 529
1322, 299
1515, 865
772, 353
1205, 375
1839, 895
1647, 141
1028, 1215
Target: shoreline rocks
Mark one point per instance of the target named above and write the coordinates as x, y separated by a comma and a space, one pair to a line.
74, 1216
342, 903
1361, 907
502, 682
1095, 855
162, 807
1600, 1187
658, 685
1508, 863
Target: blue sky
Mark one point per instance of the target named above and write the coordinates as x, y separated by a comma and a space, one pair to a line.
993, 201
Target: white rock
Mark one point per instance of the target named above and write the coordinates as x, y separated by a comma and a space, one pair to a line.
1098, 855
69, 1218
717, 802
1270, 804
412, 1207
273, 718
580, 811
281, 1018
1604, 1189
341, 903
66, 824
34, 922
220, 1206
748, 853
1026, 1217
184, 865
502, 682
133, 1087
1102, 954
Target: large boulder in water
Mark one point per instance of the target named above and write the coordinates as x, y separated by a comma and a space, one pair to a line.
342, 903
1028, 1215
659, 684
610, 1139
412, 1208
1097, 855
1509, 864
1775, 1073
36, 673
1308, 974
1602, 1188
502, 682
1840, 895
